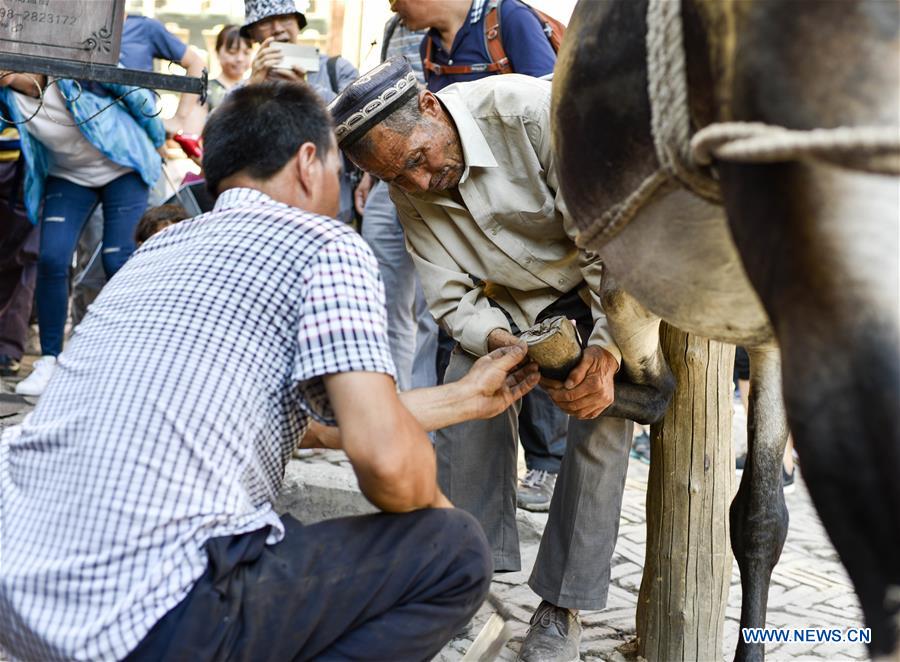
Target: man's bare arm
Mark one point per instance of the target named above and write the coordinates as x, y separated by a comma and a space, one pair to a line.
491, 386
388, 449
30, 84
190, 115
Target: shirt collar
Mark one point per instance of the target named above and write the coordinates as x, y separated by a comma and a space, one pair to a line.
239, 197
476, 151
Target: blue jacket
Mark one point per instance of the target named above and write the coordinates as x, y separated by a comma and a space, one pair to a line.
125, 133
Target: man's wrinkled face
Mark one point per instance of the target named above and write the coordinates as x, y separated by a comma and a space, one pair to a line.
282, 28
429, 158
415, 14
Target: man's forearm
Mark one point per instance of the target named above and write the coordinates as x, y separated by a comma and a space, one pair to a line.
434, 408
190, 115
439, 406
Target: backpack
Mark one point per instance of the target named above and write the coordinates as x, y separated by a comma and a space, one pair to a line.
493, 41
331, 66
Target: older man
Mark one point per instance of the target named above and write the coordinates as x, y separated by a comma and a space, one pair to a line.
475, 183
136, 516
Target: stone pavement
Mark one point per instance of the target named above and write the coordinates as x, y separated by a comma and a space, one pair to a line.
809, 586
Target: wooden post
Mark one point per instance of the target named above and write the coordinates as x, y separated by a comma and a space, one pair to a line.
687, 570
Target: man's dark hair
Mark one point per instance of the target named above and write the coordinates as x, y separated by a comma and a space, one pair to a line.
260, 127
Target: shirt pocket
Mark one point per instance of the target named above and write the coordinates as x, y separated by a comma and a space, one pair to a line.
542, 223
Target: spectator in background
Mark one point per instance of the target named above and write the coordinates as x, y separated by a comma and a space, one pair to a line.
456, 37
412, 331
146, 39
157, 219
18, 255
75, 157
270, 21
233, 51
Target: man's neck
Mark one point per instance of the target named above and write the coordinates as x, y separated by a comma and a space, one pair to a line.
274, 188
451, 20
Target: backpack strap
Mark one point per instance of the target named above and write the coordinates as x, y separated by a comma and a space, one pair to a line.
493, 39
332, 73
447, 69
388, 35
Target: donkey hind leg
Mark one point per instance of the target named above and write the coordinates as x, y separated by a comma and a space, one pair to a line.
645, 384
759, 517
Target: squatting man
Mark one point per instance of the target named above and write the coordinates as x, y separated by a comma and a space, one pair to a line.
473, 176
136, 516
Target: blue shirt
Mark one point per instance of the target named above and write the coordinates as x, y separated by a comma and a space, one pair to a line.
145, 39
526, 45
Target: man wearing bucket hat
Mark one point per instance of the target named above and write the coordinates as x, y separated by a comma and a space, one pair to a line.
268, 22
271, 21
476, 187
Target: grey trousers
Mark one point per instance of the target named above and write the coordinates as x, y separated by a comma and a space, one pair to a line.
412, 331
477, 472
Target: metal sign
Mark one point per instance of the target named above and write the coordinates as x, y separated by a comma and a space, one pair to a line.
88, 31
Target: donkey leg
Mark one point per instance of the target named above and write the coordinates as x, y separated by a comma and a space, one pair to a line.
820, 245
759, 517
643, 392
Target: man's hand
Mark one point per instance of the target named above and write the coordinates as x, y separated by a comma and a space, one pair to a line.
295, 74
321, 436
588, 389
501, 338
267, 57
361, 194
495, 384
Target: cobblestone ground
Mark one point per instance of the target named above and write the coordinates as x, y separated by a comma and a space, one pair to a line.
809, 586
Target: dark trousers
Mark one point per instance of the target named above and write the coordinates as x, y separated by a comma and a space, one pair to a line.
375, 587
18, 264
67, 207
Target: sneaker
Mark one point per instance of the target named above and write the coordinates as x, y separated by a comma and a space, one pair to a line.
787, 480
9, 367
536, 490
640, 448
553, 636
40, 376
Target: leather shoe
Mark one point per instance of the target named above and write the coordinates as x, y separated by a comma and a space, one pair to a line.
554, 635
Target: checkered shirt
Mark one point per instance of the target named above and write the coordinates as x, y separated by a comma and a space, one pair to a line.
171, 416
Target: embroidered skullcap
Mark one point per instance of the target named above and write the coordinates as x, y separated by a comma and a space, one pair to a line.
259, 10
371, 98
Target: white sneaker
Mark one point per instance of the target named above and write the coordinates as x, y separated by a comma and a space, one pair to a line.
40, 376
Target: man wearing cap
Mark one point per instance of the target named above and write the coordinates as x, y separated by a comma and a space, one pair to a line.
136, 502
269, 21
476, 187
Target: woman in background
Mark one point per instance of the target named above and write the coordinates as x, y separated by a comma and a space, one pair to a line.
83, 144
233, 52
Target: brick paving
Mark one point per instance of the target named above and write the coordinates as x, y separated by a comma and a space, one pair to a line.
809, 586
